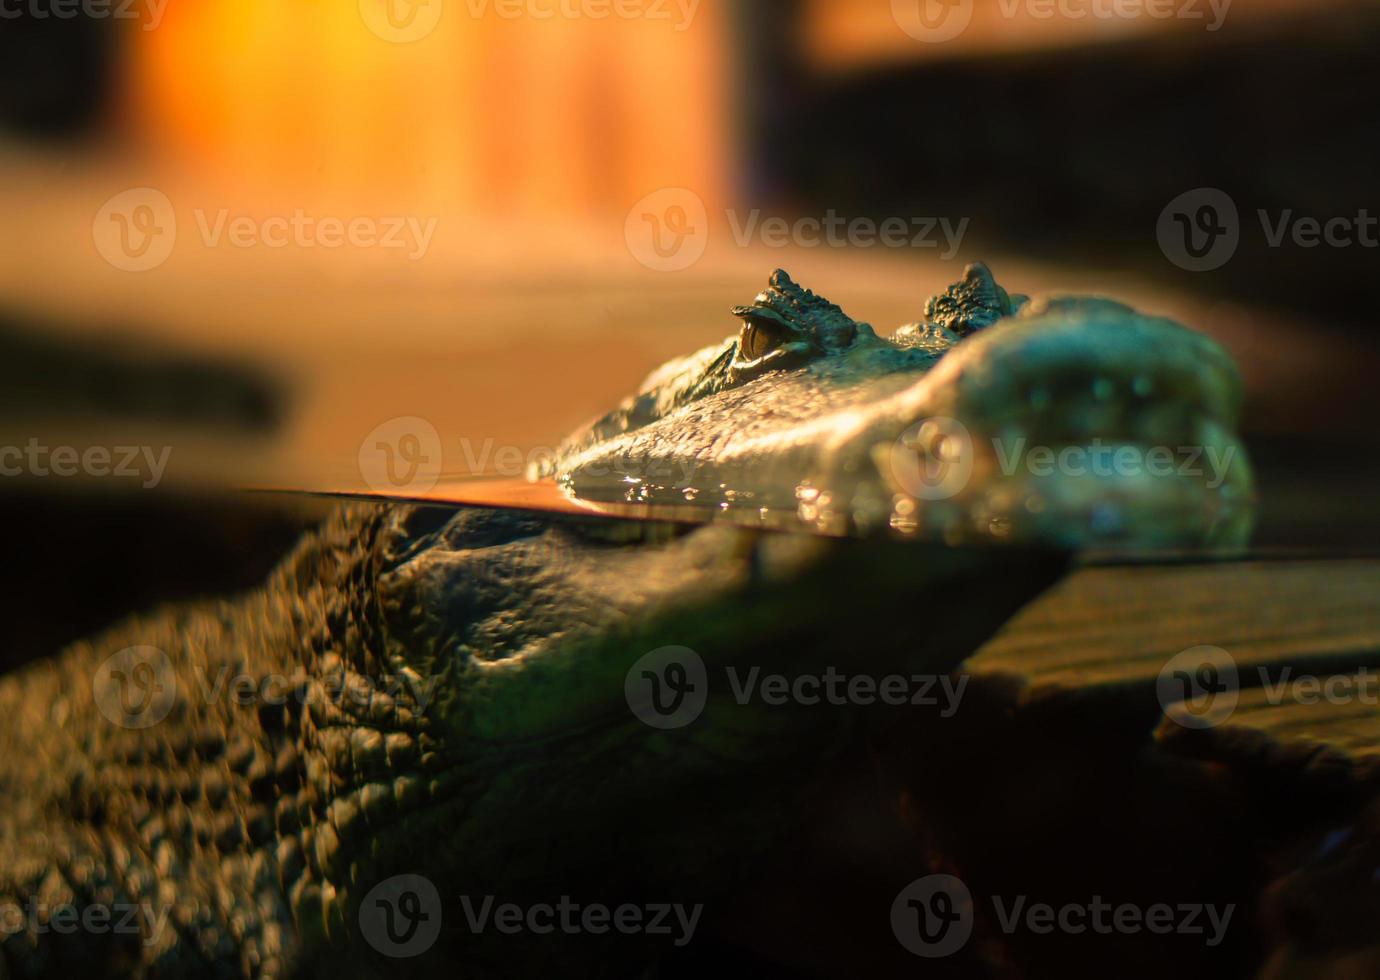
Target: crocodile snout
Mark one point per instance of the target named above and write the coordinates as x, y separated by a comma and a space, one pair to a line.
1079, 421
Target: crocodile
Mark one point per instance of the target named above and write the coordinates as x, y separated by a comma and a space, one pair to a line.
425, 710
1064, 419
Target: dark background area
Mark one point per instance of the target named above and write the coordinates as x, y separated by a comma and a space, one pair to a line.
1071, 154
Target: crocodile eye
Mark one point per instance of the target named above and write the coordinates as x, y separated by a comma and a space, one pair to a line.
760, 337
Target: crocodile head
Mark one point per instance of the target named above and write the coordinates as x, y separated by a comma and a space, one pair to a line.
595, 724
1070, 420
521, 707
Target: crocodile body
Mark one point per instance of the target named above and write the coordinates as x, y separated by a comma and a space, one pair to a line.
425, 691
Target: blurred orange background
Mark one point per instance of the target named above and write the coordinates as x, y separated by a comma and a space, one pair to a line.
524, 152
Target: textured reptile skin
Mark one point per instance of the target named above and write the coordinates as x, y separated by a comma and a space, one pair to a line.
440, 692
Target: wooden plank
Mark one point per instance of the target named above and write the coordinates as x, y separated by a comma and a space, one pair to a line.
1061, 777
1118, 626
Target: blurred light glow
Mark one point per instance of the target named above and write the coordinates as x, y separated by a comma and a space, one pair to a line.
495, 115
